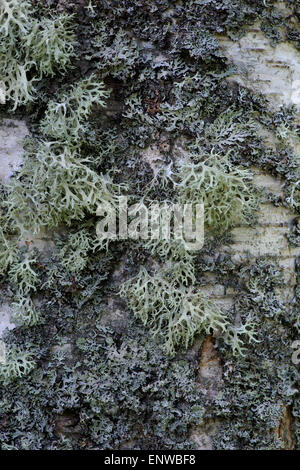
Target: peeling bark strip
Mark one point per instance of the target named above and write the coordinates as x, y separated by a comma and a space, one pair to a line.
142, 344
210, 369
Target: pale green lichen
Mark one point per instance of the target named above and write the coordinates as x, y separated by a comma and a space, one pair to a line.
118, 58
174, 251
175, 313
50, 44
23, 275
55, 186
30, 49
15, 15
18, 363
66, 119
8, 252
169, 302
227, 192
25, 312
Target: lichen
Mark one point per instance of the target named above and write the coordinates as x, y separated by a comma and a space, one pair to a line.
224, 190
176, 313
65, 120
18, 364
